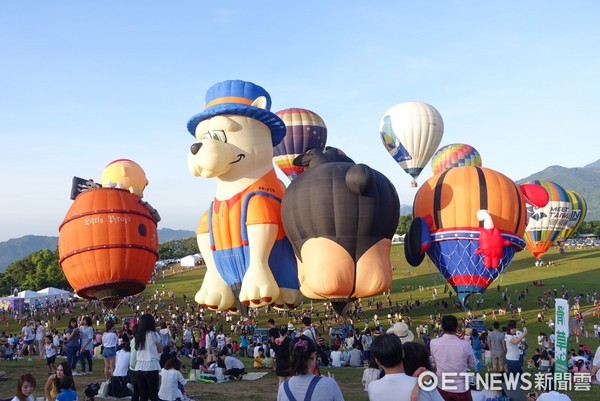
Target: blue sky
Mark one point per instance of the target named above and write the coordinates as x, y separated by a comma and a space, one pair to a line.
84, 83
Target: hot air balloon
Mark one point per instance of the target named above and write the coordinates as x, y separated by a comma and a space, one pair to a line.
340, 218
546, 223
411, 132
304, 130
578, 212
469, 221
248, 258
454, 155
108, 241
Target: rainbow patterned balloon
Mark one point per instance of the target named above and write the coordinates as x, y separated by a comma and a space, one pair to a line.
546, 223
305, 130
454, 155
578, 212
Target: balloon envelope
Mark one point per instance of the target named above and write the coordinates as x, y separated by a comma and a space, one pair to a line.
454, 155
578, 212
305, 130
546, 223
450, 201
411, 132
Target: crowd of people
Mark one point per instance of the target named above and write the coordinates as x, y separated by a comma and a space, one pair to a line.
212, 343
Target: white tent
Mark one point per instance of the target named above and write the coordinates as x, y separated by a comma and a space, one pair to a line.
28, 294
52, 293
191, 260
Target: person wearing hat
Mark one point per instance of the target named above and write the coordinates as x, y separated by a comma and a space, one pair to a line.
235, 136
452, 355
401, 330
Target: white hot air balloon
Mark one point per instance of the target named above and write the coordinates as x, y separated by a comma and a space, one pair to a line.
411, 132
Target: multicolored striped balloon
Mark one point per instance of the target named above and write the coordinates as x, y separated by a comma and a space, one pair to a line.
578, 212
455, 155
546, 223
305, 130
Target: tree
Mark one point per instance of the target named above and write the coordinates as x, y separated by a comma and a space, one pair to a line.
404, 224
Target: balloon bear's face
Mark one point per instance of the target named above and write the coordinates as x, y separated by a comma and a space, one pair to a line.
230, 147
125, 174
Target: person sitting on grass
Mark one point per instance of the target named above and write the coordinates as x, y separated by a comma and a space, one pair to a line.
396, 385
172, 381
260, 360
67, 393
234, 368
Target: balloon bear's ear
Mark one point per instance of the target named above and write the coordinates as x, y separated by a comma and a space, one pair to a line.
260, 102
417, 241
534, 194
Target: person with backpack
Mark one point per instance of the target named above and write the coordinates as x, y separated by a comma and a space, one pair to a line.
304, 385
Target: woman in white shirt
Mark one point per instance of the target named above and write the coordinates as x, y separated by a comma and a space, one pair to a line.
171, 378
109, 350
148, 348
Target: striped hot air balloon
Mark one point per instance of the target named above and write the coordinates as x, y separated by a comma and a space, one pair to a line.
455, 155
546, 223
578, 212
475, 217
304, 130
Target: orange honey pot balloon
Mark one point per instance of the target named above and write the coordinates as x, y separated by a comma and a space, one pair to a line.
108, 244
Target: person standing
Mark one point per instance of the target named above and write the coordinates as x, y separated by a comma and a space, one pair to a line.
73, 336
497, 347
109, 349
39, 339
87, 344
513, 356
281, 347
28, 334
452, 355
148, 348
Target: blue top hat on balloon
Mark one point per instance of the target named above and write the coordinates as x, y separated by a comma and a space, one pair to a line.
236, 97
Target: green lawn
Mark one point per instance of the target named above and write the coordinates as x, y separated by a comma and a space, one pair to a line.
579, 269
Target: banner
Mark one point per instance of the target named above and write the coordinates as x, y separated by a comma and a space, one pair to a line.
561, 331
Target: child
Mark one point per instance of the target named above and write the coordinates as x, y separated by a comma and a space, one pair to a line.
25, 387
370, 374
50, 350
66, 389
171, 379
259, 361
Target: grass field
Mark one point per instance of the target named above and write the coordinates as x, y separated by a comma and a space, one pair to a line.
578, 269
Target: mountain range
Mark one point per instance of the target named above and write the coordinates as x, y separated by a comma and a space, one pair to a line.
585, 180
17, 248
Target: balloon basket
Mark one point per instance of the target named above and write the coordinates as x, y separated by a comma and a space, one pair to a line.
413, 184
111, 303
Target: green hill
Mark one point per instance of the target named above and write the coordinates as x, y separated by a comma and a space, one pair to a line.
585, 180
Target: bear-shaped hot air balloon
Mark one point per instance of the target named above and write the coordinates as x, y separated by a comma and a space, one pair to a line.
470, 222
108, 242
249, 260
340, 218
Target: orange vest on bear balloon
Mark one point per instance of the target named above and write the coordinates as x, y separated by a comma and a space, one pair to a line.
226, 222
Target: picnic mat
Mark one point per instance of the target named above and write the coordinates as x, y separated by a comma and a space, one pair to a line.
254, 375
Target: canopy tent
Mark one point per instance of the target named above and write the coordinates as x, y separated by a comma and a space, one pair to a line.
51, 291
47, 294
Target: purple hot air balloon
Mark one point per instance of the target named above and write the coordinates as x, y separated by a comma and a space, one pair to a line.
304, 130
